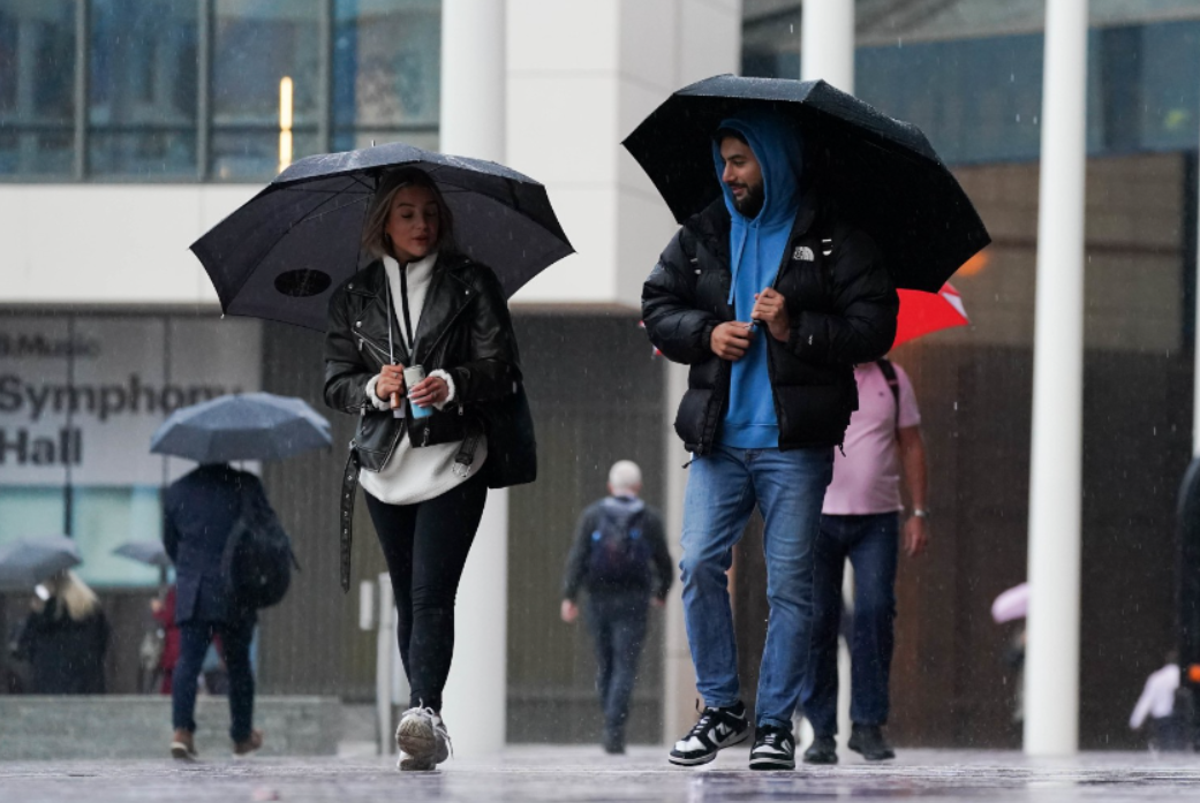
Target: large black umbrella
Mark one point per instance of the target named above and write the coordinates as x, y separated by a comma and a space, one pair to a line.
245, 426
28, 561
284, 251
886, 175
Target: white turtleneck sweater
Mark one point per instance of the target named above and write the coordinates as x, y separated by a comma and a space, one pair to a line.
415, 474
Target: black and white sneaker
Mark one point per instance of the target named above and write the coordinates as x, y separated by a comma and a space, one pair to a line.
774, 749
717, 729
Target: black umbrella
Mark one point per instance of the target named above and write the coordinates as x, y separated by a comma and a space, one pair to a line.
28, 561
246, 426
283, 252
884, 171
151, 553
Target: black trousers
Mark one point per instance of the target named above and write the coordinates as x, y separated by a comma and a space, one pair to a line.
425, 546
194, 638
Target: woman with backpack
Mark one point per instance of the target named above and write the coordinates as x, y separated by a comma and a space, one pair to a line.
420, 347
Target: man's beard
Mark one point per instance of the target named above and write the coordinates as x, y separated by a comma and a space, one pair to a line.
751, 203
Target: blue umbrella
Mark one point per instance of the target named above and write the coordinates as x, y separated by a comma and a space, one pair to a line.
248, 426
148, 552
28, 561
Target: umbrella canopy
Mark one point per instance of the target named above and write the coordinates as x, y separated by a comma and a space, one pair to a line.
922, 313
28, 561
884, 172
148, 552
1011, 604
282, 254
247, 426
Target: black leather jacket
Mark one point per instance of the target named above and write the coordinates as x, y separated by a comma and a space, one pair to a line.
464, 329
841, 302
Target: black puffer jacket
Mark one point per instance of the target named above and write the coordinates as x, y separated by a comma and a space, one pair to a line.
842, 305
464, 329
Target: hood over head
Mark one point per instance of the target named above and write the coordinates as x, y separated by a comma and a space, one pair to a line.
777, 146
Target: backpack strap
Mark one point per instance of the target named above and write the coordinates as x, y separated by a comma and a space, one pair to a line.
889, 373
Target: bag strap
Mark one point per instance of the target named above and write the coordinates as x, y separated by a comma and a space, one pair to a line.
889, 373
349, 491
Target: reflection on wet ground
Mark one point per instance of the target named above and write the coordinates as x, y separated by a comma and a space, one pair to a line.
586, 775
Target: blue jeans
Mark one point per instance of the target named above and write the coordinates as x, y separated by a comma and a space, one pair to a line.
194, 638
617, 620
722, 490
870, 542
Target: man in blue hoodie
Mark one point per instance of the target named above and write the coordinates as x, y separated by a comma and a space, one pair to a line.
771, 296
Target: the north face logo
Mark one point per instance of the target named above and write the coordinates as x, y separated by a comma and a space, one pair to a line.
803, 254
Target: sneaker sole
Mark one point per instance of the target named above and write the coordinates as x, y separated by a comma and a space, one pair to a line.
412, 765
832, 760
418, 740
891, 755
681, 761
772, 764
179, 752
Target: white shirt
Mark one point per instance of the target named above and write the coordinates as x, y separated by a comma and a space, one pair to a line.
414, 474
1158, 697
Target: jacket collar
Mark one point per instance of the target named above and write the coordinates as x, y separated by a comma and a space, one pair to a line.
712, 224
441, 307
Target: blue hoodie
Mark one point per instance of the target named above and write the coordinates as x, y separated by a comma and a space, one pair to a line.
756, 247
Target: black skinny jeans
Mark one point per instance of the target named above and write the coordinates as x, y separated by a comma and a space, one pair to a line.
425, 546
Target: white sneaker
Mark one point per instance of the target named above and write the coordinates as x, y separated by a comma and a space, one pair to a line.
423, 740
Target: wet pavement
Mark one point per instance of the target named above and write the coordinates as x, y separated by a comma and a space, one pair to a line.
581, 774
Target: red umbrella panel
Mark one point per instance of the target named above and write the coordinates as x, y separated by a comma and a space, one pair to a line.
922, 313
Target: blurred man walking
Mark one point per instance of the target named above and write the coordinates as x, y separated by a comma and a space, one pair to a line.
860, 521
620, 557
771, 297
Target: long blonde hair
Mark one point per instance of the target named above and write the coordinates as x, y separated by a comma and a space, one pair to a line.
74, 596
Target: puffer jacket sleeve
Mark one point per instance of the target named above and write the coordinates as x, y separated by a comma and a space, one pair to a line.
493, 369
346, 375
681, 331
865, 303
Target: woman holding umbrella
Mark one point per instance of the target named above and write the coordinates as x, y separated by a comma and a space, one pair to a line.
420, 345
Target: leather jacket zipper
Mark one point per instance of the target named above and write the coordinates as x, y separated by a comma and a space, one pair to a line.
382, 352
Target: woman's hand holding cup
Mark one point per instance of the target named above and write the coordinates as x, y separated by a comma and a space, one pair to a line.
390, 383
429, 391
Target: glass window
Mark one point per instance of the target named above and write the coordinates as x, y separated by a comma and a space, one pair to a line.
386, 70
142, 87
1170, 62
37, 86
248, 152
105, 518
256, 44
28, 511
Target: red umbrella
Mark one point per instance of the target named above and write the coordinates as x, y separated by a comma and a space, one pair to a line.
922, 313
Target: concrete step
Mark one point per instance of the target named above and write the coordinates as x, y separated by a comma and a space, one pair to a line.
120, 726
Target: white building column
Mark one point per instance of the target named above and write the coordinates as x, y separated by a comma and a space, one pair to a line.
1052, 634
473, 101
827, 52
827, 43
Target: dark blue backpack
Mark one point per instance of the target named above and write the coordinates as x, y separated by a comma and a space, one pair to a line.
619, 555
